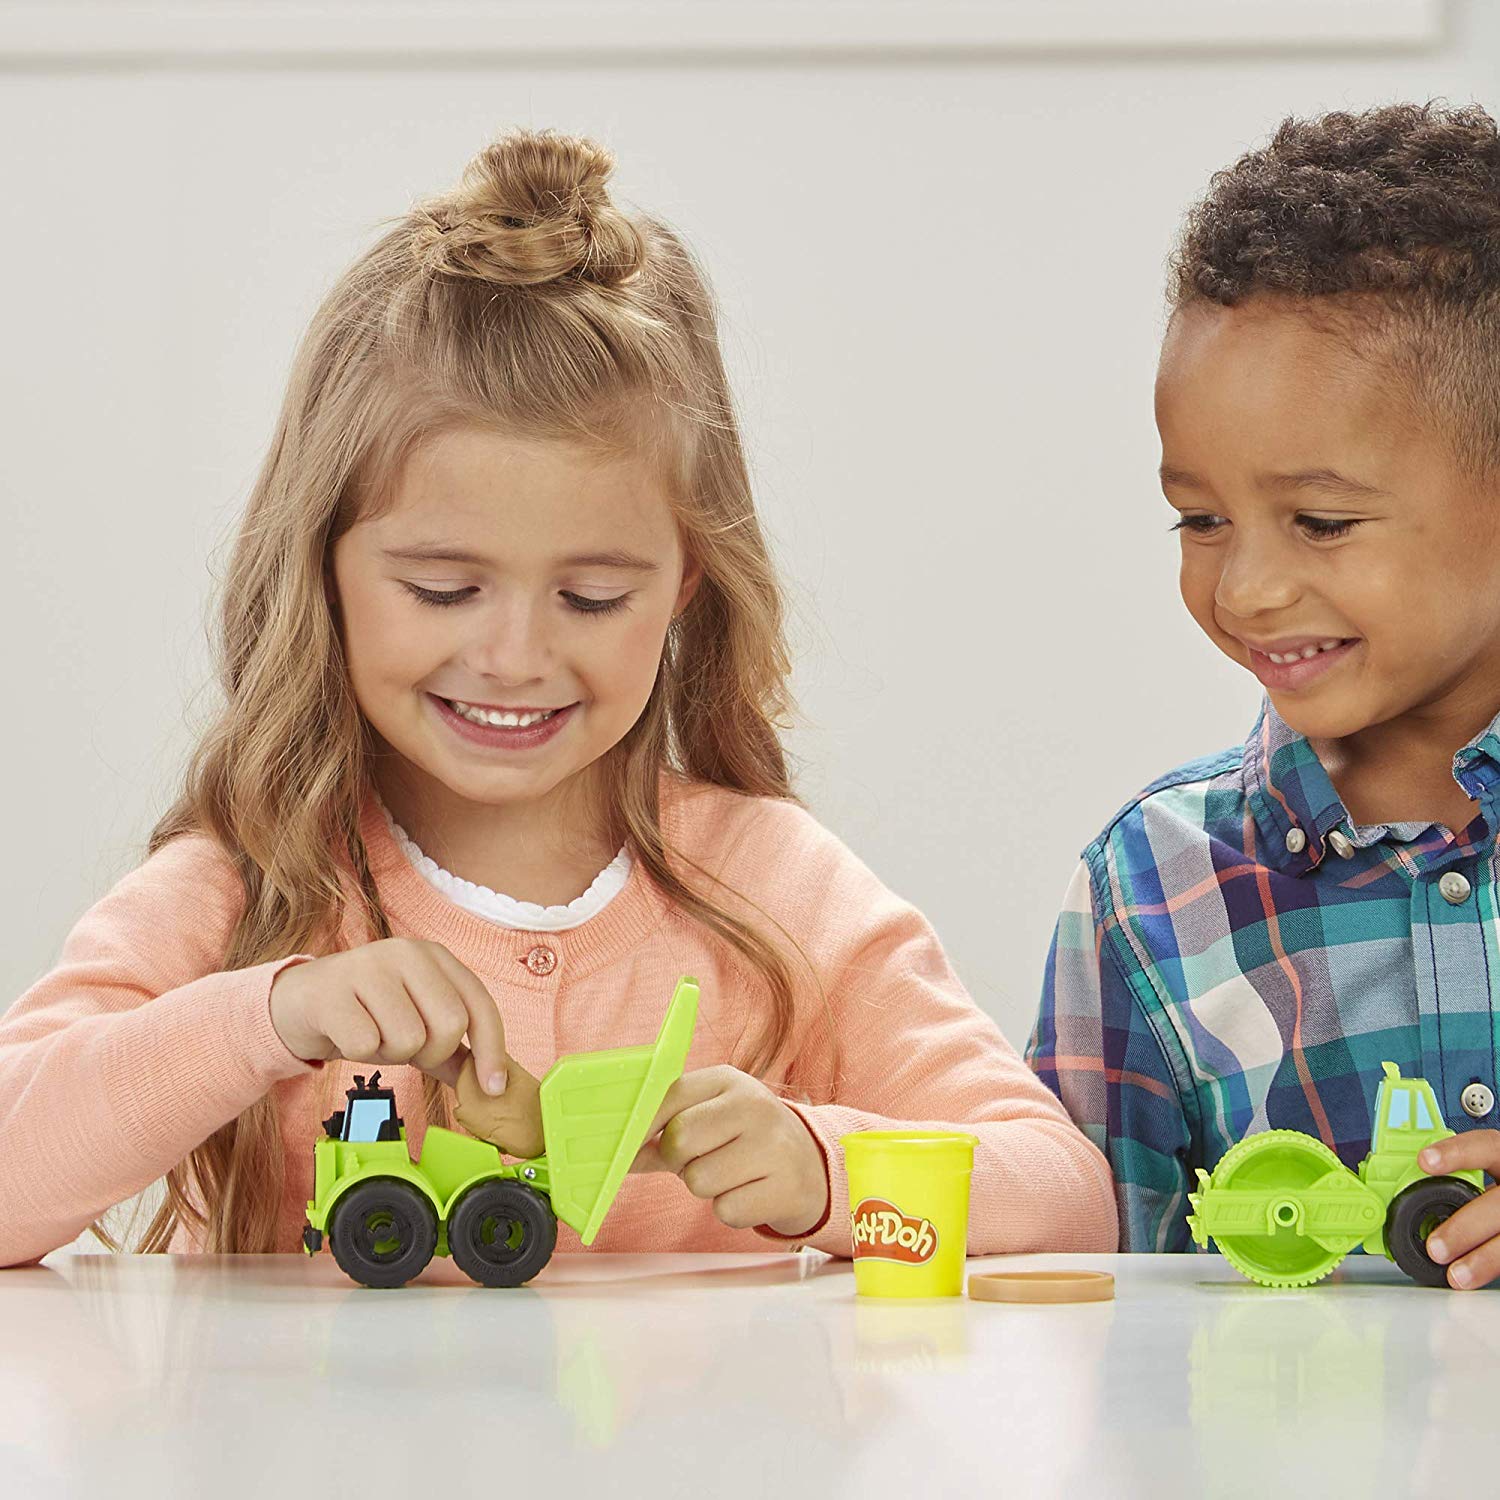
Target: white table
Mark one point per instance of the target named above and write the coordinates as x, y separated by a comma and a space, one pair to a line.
736, 1375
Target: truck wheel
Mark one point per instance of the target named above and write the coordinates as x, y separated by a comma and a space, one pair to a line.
502, 1232
1414, 1214
383, 1233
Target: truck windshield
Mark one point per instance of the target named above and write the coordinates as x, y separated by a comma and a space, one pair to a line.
1398, 1117
366, 1116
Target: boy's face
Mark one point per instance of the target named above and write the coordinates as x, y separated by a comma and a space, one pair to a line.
1325, 522
577, 571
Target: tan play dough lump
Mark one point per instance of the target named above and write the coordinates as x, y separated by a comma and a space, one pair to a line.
512, 1120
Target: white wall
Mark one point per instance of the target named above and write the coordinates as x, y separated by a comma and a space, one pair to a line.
942, 280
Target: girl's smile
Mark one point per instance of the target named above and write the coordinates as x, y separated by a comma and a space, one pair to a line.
520, 729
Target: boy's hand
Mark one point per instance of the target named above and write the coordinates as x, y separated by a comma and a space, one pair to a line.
1468, 1243
732, 1140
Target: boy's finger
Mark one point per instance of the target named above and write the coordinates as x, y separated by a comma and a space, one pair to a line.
1472, 1225
1477, 1269
1470, 1149
486, 1029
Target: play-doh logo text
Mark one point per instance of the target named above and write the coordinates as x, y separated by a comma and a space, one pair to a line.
883, 1232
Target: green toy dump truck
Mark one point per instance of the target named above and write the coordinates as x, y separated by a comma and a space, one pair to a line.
386, 1215
1284, 1210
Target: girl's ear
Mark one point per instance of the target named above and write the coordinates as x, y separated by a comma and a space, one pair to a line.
692, 576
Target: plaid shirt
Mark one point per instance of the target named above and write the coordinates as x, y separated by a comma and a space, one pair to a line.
1234, 955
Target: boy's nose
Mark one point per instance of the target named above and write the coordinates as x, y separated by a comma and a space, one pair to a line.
1253, 581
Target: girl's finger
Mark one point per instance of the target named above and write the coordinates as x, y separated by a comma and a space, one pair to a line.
1471, 1149
1472, 1225
697, 1087
351, 1028
748, 1206
486, 1029
450, 1067
648, 1159
391, 1007
699, 1130
734, 1165
446, 1019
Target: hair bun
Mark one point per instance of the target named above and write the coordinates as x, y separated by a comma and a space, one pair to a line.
530, 208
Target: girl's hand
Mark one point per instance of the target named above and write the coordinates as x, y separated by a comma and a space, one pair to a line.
731, 1139
399, 1000
1468, 1243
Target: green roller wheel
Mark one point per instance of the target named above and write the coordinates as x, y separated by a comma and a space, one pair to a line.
1269, 1161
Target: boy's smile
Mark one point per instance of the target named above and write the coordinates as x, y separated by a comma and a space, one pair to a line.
1331, 544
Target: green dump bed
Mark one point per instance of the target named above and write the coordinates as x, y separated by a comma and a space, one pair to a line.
597, 1108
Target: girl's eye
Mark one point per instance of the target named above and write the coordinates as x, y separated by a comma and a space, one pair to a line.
1322, 528
436, 596
586, 606
580, 602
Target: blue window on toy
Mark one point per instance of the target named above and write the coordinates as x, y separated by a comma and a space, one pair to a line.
1424, 1115
1399, 1115
366, 1116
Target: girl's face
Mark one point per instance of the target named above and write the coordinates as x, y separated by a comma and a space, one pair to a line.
1330, 543
526, 580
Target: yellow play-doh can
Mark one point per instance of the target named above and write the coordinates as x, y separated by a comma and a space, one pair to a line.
909, 1210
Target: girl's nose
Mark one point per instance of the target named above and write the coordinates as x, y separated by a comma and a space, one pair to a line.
511, 646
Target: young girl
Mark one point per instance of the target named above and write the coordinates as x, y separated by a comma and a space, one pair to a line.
1257, 931
501, 619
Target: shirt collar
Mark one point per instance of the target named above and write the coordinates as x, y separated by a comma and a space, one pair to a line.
1287, 788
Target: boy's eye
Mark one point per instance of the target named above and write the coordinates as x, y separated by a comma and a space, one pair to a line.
1320, 527
1200, 524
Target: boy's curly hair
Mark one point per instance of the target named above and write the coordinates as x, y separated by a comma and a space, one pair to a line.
1395, 213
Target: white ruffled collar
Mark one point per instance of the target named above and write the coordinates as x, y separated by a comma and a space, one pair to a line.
505, 910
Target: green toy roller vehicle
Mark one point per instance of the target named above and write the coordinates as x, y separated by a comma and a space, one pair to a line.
386, 1215
1284, 1210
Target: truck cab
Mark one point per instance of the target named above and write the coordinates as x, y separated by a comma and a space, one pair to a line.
369, 1114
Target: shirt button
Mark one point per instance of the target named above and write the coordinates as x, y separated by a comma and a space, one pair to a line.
1341, 846
540, 960
1455, 890
1296, 841
1477, 1101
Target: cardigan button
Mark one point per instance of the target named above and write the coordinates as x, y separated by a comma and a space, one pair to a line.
541, 961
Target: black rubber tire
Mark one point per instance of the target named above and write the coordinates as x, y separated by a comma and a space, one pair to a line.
383, 1232
1414, 1214
485, 1254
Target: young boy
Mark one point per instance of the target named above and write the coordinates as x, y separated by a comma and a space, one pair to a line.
1256, 931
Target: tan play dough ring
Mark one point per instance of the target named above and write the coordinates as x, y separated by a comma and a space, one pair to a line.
1042, 1286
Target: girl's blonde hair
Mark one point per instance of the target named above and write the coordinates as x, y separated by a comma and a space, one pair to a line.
523, 301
